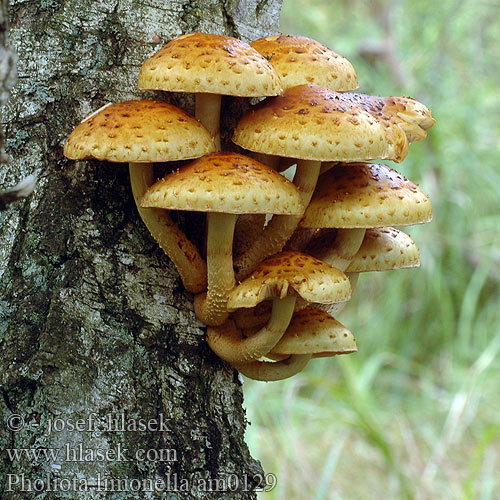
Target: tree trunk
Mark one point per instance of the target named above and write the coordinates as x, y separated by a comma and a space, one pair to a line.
94, 323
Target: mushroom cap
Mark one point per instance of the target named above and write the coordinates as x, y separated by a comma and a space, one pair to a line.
227, 183
141, 131
214, 64
300, 60
294, 272
385, 249
314, 331
314, 123
361, 195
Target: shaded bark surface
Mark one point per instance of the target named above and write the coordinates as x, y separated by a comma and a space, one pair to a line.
94, 323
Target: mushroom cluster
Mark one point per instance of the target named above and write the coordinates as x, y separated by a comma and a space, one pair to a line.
281, 257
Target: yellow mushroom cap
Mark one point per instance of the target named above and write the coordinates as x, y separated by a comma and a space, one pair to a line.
141, 131
314, 123
314, 331
214, 64
300, 60
228, 183
285, 272
360, 195
385, 249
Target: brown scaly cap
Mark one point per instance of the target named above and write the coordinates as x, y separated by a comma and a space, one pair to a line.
314, 123
360, 195
227, 183
214, 64
314, 331
308, 277
300, 60
385, 249
139, 131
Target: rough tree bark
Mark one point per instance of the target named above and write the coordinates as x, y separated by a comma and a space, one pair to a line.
94, 323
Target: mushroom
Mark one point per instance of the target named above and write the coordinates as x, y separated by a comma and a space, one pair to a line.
385, 249
313, 124
299, 60
260, 370
356, 196
140, 133
281, 278
312, 333
210, 66
223, 185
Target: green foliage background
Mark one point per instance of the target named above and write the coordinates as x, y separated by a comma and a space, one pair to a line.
416, 413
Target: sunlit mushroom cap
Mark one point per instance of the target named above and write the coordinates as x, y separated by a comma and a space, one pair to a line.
139, 131
227, 183
314, 331
314, 123
300, 60
385, 249
291, 272
360, 195
214, 64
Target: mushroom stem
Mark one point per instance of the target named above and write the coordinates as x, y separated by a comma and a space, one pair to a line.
247, 228
207, 111
300, 239
190, 265
347, 244
269, 160
281, 227
228, 343
269, 371
211, 308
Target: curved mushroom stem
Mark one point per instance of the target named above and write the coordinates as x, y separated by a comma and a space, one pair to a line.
188, 261
207, 111
256, 317
211, 308
228, 343
346, 245
269, 371
281, 227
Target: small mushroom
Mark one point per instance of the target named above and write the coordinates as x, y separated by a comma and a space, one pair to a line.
281, 278
385, 249
353, 197
140, 133
311, 333
209, 66
223, 185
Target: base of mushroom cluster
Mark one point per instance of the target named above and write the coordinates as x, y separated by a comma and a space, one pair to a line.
268, 293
